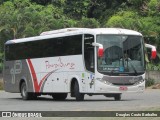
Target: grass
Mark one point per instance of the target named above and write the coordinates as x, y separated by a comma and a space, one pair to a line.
1, 84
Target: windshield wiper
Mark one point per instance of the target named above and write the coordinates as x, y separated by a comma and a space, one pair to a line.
135, 71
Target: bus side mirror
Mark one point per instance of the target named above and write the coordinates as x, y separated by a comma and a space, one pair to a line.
100, 49
153, 50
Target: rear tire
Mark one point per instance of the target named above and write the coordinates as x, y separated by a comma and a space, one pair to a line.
59, 96
117, 97
25, 95
79, 96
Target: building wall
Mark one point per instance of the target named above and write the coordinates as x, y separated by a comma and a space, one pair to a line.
153, 75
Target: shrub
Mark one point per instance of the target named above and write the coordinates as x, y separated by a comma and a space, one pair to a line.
1, 67
150, 82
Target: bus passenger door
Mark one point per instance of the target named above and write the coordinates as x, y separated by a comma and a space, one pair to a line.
89, 62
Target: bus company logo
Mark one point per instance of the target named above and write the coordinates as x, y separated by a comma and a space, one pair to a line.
60, 64
17, 68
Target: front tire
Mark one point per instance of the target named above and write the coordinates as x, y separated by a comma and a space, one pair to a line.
59, 96
117, 97
79, 96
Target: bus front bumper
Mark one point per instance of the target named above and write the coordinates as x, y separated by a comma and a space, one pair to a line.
105, 88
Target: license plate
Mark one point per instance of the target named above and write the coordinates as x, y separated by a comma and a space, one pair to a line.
123, 88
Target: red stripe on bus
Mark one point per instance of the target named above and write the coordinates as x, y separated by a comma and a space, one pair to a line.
34, 77
37, 87
43, 79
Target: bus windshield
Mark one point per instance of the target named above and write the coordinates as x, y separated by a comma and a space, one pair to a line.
122, 54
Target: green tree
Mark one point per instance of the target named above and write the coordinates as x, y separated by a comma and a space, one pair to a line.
124, 19
76, 9
88, 23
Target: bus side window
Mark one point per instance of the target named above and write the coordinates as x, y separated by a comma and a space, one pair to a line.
89, 52
7, 52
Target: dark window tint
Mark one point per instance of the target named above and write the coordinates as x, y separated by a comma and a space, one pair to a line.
89, 52
70, 45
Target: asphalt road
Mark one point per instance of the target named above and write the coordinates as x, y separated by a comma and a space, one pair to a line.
150, 99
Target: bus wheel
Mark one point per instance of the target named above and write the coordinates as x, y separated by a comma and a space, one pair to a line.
59, 96
117, 97
25, 95
79, 96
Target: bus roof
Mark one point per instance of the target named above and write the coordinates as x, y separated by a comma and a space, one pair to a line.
75, 31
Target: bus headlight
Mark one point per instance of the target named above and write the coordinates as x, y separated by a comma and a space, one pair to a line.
139, 82
108, 83
104, 81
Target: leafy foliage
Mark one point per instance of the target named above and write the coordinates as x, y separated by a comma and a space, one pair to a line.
26, 18
149, 82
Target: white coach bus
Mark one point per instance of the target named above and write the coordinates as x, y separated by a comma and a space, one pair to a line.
79, 61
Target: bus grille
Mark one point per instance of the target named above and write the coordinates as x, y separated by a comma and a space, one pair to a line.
122, 80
